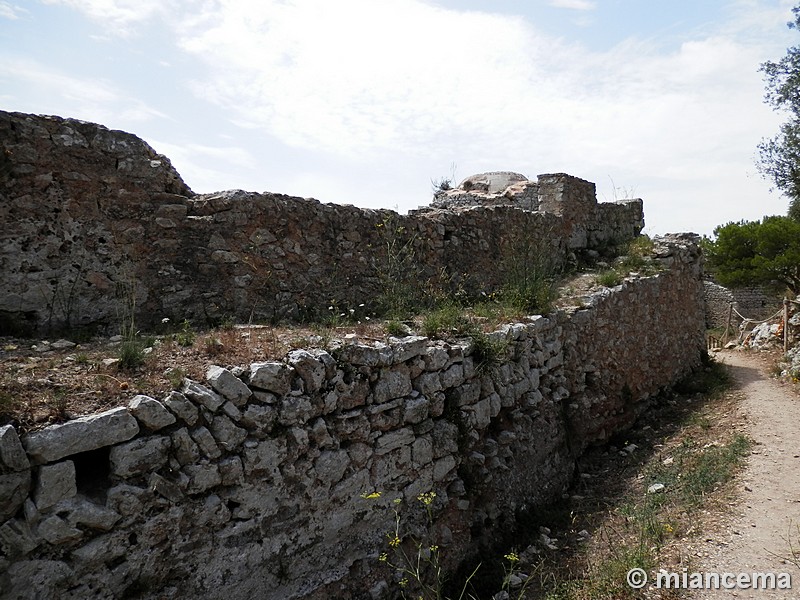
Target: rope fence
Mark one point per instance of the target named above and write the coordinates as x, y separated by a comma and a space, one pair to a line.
745, 330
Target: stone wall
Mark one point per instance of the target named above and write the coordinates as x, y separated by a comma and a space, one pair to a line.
97, 223
249, 484
752, 302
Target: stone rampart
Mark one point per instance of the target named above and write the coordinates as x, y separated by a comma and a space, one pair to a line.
751, 302
96, 223
249, 485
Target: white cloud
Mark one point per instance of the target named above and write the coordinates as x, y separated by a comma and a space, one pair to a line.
574, 4
407, 83
79, 97
119, 15
11, 11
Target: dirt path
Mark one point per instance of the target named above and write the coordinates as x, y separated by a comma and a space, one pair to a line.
767, 516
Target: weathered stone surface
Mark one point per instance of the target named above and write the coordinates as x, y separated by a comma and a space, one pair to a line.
139, 456
12, 455
80, 435
202, 395
56, 530
14, 488
202, 478
274, 377
182, 408
311, 370
331, 465
206, 442
55, 483
228, 385
392, 383
80, 511
184, 447
394, 439
150, 412
16, 538
228, 435
263, 460
286, 496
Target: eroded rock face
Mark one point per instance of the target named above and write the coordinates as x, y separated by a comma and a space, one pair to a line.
99, 222
493, 182
268, 465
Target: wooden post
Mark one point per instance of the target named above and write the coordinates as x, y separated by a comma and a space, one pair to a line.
785, 324
728, 324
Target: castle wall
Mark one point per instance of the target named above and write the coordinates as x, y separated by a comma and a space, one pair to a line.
97, 224
250, 484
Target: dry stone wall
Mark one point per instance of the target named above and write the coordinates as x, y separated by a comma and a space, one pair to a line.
250, 484
96, 223
752, 302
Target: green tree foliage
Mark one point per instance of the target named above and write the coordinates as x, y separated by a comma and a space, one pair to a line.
779, 157
757, 252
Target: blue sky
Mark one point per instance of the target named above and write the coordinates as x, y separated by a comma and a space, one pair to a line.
366, 101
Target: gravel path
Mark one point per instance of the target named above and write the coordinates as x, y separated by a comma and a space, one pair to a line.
766, 519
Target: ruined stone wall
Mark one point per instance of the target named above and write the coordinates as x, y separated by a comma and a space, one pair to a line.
249, 484
752, 302
96, 224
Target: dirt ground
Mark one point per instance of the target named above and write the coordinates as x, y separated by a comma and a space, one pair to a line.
760, 533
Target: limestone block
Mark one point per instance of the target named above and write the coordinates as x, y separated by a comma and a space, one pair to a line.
311, 370
14, 489
295, 410
466, 394
394, 439
274, 377
163, 487
12, 455
56, 530
259, 419
202, 395
150, 412
80, 511
379, 355
127, 500
445, 438
231, 471
320, 434
55, 483
230, 410
453, 376
442, 467
353, 394
139, 456
202, 478
331, 465
100, 550
427, 383
80, 435
264, 459
206, 442
16, 538
184, 447
416, 409
407, 348
422, 451
182, 408
436, 359
392, 383
228, 385
359, 454
228, 435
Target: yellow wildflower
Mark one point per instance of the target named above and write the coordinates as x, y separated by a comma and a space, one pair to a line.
371, 495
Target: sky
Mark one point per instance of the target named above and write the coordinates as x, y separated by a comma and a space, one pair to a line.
366, 102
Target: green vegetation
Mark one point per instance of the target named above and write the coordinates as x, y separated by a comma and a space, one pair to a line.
757, 252
779, 157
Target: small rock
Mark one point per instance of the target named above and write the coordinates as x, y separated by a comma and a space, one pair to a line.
62, 345
655, 488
